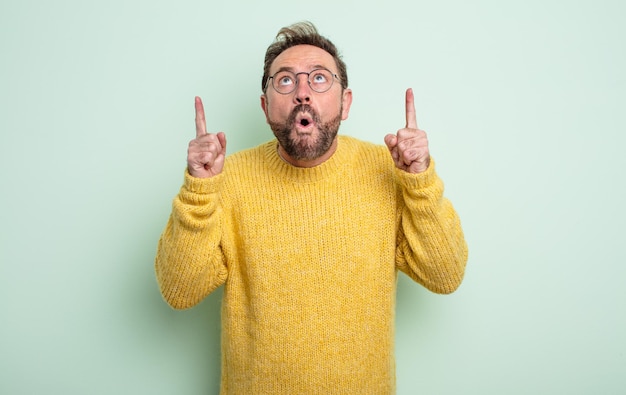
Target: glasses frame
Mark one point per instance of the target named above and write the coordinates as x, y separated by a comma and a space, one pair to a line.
308, 80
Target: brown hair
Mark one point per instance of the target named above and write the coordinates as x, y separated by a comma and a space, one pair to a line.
302, 33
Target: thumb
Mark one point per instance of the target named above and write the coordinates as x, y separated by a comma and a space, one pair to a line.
221, 137
391, 140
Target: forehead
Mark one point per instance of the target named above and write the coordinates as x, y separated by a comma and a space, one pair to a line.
303, 58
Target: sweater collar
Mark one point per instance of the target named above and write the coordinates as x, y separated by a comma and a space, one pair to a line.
320, 172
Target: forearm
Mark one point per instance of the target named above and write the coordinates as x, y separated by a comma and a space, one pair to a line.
189, 262
431, 245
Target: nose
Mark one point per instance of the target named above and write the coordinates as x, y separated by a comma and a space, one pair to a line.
303, 90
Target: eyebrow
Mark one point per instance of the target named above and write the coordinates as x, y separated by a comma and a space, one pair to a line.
291, 69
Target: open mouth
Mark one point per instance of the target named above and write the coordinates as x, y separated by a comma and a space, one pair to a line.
304, 120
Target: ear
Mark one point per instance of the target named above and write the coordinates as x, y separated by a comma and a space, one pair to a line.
346, 100
264, 107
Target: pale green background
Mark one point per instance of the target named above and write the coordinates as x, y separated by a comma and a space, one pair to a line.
524, 103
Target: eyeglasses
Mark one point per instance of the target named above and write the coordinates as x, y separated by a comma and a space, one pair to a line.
285, 82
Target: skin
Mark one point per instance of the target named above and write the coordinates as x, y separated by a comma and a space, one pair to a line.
206, 153
408, 147
329, 105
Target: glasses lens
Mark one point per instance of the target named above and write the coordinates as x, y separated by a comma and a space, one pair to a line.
320, 80
284, 82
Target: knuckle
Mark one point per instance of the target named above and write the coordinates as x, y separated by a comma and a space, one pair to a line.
206, 158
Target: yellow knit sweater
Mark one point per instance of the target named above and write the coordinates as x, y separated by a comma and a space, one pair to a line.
308, 258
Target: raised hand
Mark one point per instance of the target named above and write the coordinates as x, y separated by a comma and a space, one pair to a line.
409, 146
206, 153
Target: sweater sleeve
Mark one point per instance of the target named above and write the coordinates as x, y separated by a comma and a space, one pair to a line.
189, 263
431, 247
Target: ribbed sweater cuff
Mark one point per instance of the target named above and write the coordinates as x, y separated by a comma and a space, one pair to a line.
418, 181
202, 185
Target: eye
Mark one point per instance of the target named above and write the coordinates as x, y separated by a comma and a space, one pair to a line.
319, 77
284, 79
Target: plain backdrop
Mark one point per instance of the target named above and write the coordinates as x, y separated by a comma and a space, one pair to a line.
524, 103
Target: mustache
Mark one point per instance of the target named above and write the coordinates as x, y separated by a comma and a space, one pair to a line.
303, 108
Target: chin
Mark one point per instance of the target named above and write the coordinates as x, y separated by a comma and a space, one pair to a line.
309, 146
306, 142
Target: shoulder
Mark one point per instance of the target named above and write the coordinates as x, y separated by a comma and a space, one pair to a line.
365, 150
249, 157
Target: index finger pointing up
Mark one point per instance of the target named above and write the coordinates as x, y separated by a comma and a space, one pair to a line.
411, 121
200, 120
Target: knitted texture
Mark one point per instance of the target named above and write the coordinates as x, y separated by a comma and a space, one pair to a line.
309, 258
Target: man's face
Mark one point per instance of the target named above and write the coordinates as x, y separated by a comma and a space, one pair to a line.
304, 121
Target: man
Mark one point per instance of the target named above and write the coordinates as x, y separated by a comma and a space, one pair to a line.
307, 232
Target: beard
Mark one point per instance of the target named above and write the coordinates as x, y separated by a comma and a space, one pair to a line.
300, 148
